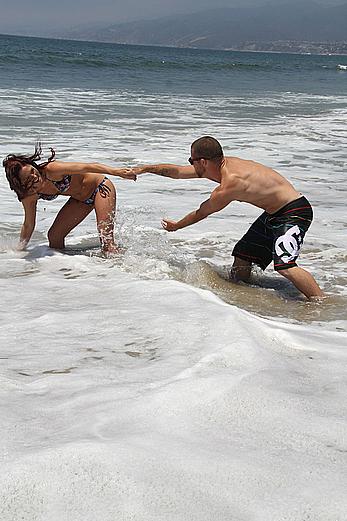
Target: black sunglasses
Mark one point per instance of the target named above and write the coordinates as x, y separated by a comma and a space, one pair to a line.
191, 160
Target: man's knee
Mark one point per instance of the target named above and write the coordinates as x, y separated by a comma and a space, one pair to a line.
288, 273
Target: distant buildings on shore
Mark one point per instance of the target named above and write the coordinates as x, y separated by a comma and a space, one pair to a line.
293, 47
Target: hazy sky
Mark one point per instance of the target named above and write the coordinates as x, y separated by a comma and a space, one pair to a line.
38, 16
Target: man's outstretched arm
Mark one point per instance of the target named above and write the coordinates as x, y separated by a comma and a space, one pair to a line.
166, 170
219, 199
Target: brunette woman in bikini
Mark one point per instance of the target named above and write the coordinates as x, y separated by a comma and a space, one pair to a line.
85, 184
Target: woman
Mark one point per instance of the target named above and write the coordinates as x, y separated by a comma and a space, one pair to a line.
84, 183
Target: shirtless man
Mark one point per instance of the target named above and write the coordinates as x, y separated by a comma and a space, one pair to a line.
278, 232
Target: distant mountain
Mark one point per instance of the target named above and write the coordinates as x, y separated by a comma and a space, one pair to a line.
226, 28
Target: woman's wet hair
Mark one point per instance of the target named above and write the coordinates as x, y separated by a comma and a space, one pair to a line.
208, 147
13, 165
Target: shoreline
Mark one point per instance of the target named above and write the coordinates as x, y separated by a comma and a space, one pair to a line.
229, 49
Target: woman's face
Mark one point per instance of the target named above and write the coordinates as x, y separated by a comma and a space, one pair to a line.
31, 178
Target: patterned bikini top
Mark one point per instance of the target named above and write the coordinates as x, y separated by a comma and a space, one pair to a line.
63, 185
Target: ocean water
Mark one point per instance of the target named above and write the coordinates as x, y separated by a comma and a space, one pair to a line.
147, 386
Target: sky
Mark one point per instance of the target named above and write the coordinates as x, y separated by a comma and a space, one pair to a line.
37, 17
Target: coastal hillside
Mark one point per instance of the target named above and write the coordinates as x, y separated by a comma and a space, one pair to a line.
232, 28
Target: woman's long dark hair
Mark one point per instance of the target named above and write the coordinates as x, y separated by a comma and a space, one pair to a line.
14, 163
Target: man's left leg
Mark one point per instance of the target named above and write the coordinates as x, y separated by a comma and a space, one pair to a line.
303, 281
240, 270
255, 247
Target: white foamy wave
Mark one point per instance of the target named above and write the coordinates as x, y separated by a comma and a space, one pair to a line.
174, 396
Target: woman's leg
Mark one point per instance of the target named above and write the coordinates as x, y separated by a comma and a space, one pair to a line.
69, 216
105, 209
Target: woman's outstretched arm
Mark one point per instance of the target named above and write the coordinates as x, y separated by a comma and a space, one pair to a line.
71, 168
28, 226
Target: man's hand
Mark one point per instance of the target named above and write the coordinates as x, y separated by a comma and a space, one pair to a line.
137, 170
169, 226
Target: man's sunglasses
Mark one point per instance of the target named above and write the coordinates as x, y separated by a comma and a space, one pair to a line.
191, 160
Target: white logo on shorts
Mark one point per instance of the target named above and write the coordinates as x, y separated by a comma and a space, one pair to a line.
287, 246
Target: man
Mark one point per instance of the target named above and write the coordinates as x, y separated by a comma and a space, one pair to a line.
279, 231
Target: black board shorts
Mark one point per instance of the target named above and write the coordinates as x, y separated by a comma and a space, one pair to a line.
278, 236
